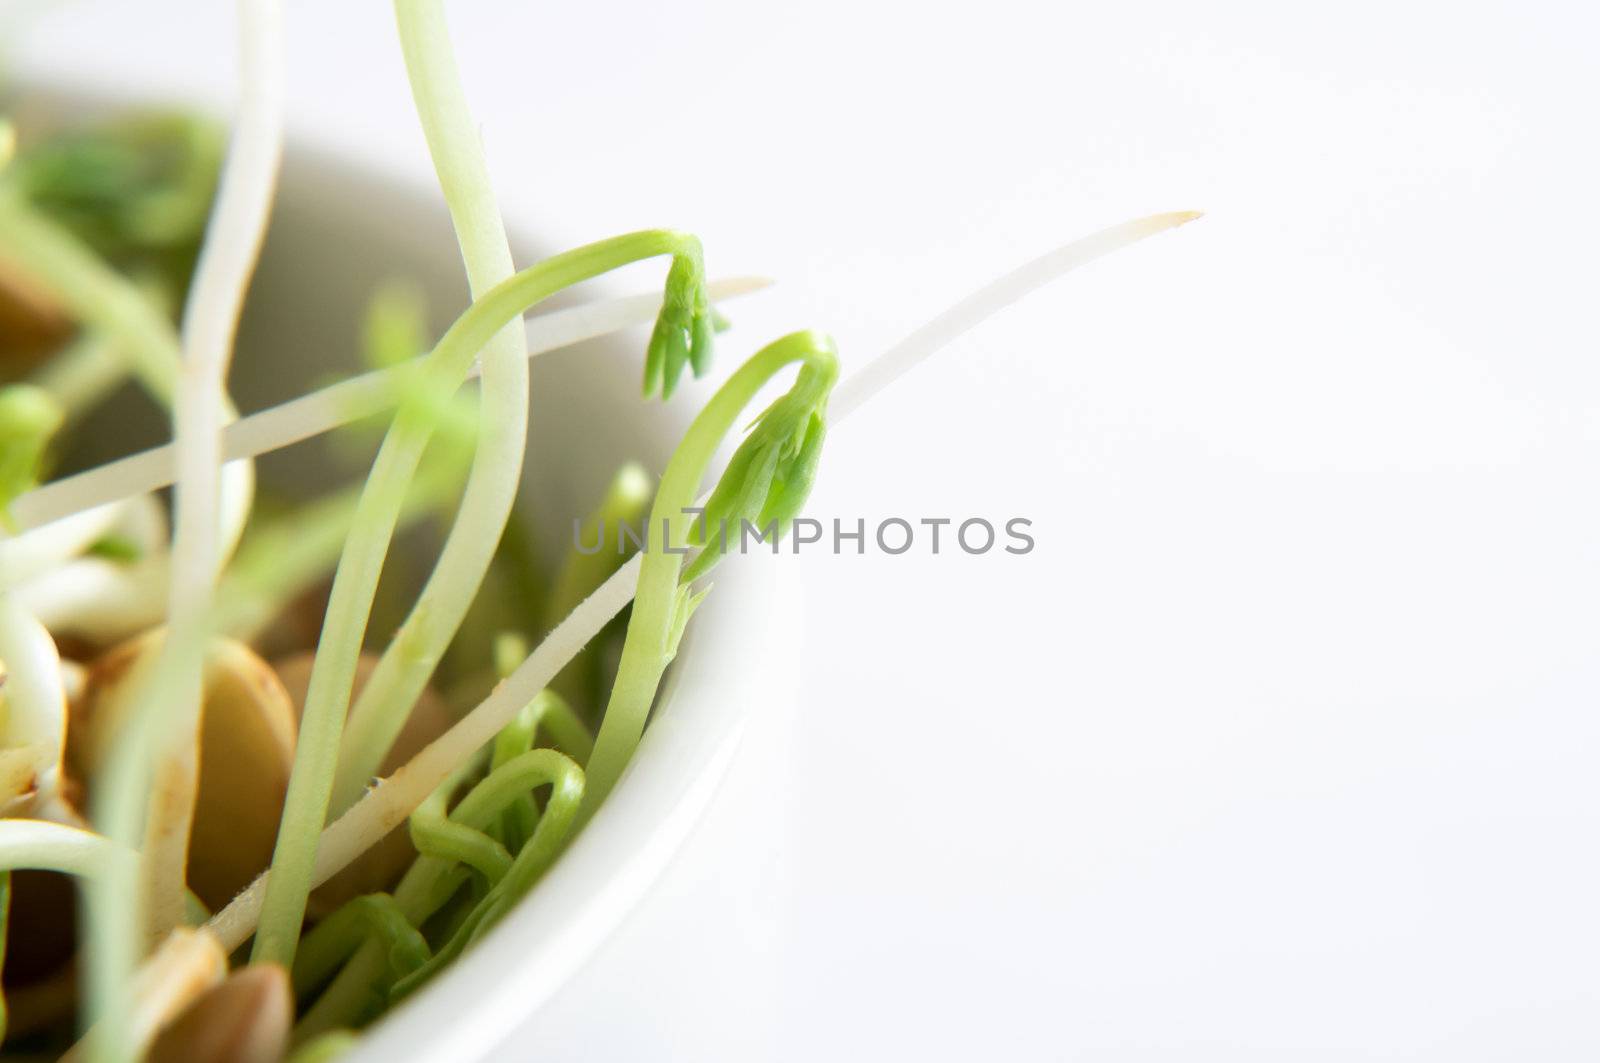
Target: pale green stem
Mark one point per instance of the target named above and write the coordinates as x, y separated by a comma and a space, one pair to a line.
356, 579
412, 655
285, 556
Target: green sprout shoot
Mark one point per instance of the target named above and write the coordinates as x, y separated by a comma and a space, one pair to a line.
769, 478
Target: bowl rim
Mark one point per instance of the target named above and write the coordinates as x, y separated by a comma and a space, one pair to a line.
476, 1003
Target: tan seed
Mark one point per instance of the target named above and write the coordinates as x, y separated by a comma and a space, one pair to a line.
247, 735
246, 1019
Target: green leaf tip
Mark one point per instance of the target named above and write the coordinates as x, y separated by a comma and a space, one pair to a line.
684, 328
770, 475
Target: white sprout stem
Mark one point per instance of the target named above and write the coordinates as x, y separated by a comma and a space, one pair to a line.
387, 804
226, 263
37, 551
329, 408
411, 656
167, 720
34, 844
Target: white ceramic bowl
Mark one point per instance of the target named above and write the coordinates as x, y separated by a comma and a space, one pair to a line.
337, 232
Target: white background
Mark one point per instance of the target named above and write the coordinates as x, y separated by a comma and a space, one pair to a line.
1281, 745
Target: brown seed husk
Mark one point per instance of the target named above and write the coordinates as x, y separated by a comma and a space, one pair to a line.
246, 1019
247, 735
187, 964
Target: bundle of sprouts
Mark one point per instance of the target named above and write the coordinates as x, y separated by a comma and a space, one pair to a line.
281, 829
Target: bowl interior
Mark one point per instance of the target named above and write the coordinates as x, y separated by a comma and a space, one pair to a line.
338, 232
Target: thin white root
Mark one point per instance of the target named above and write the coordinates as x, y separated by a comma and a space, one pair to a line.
329, 408
387, 804
988, 301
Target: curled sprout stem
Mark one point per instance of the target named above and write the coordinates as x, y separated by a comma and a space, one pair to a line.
494, 794
355, 580
375, 916
435, 834
433, 879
